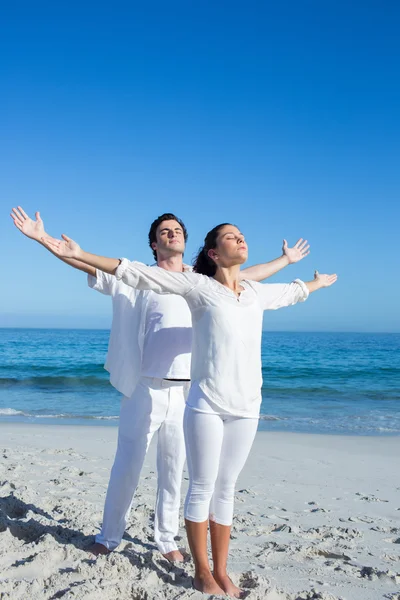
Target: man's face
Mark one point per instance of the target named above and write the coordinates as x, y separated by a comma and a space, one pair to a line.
170, 239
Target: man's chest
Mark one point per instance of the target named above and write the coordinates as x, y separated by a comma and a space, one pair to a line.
166, 311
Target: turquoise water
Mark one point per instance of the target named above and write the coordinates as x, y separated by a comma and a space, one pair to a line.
313, 382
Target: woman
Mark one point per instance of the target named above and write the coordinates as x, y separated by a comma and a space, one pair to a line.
222, 410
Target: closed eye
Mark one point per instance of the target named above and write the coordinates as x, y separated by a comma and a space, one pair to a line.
166, 231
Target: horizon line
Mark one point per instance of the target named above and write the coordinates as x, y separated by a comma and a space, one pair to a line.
264, 330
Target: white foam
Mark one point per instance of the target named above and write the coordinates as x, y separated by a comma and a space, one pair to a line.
270, 418
11, 412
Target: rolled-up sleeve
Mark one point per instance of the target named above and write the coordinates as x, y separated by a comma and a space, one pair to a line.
277, 295
161, 281
102, 282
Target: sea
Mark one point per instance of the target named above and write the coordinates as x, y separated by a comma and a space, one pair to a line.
333, 383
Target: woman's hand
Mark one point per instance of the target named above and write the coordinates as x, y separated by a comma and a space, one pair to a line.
324, 280
320, 281
65, 248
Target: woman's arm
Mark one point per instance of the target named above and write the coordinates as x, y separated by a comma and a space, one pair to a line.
277, 295
68, 249
300, 250
134, 274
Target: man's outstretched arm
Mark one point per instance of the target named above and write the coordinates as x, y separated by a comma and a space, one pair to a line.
35, 231
300, 250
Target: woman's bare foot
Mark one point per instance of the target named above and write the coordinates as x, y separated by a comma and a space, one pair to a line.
207, 585
174, 556
97, 549
228, 586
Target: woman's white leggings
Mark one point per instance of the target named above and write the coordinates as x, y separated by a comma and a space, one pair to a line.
217, 447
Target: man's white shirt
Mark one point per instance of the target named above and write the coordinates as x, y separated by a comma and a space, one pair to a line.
151, 334
167, 341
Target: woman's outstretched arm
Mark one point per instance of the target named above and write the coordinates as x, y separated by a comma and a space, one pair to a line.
278, 295
134, 274
67, 248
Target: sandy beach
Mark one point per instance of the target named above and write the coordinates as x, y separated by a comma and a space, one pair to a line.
316, 517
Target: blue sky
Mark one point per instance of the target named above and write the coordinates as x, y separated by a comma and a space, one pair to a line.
280, 117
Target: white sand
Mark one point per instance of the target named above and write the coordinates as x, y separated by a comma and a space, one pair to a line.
317, 517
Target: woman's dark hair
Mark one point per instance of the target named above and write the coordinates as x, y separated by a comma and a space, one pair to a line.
203, 263
157, 222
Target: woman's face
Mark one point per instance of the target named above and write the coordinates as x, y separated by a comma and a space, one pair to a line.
231, 247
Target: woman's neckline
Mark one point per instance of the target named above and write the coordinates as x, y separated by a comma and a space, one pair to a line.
229, 291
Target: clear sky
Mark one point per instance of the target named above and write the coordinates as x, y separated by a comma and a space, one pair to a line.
282, 117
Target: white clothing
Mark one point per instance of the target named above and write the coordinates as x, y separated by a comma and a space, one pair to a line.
127, 331
226, 351
217, 447
198, 402
167, 337
150, 335
134, 312
155, 406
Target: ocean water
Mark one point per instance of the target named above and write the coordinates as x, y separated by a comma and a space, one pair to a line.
337, 383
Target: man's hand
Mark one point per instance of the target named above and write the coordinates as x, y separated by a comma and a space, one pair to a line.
32, 229
324, 280
65, 248
299, 251
290, 255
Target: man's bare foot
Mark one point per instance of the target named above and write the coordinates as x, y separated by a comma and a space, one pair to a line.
207, 585
97, 549
174, 556
228, 586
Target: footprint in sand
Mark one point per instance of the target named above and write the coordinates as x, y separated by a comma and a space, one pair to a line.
369, 498
358, 520
373, 573
392, 530
392, 540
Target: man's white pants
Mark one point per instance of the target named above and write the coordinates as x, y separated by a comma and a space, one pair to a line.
156, 405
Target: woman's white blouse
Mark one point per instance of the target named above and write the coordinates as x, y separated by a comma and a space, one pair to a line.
226, 351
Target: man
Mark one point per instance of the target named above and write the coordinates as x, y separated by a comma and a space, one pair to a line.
149, 363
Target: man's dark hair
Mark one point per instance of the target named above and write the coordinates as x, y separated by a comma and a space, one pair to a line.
156, 223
